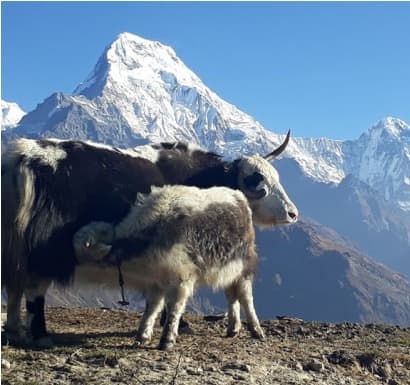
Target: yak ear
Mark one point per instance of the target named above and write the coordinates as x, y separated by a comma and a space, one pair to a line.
279, 150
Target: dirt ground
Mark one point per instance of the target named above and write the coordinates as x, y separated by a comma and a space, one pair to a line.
96, 346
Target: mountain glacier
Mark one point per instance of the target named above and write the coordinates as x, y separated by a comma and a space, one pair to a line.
140, 91
11, 114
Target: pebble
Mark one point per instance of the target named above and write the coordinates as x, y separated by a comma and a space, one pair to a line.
315, 365
239, 377
211, 369
5, 364
161, 366
297, 366
195, 371
341, 357
233, 366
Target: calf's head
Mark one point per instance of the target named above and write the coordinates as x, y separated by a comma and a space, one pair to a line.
259, 181
92, 243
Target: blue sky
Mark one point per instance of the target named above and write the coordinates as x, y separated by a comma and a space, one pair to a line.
321, 69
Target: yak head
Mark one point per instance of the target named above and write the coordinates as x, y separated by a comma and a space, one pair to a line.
259, 181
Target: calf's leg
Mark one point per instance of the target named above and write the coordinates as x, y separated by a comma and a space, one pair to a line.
155, 302
234, 311
243, 289
176, 302
183, 327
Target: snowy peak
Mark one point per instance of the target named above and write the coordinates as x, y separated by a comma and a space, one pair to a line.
132, 60
11, 114
384, 159
390, 127
158, 97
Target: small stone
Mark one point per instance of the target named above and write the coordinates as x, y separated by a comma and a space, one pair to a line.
239, 377
194, 371
111, 361
234, 366
297, 366
5, 364
341, 357
161, 366
315, 366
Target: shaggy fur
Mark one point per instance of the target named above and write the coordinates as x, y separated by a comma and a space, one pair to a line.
176, 237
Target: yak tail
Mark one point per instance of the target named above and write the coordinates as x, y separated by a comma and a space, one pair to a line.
17, 191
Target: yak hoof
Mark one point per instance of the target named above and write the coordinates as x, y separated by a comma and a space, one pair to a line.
232, 333
166, 345
258, 333
142, 340
185, 329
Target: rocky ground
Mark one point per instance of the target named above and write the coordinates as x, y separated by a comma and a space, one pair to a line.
95, 346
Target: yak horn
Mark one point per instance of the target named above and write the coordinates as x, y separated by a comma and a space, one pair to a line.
279, 150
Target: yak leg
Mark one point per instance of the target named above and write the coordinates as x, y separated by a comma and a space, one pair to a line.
234, 311
36, 324
155, 302
14, 327
183, 327
176, 301
245, 296
241, 291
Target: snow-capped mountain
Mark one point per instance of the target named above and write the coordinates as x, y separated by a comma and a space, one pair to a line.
11, 114
383, 159
380, 158
141, 91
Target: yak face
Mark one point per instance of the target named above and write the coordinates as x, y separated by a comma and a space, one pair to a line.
259, 181
267, 198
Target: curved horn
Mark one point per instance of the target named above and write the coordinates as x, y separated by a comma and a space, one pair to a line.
279, 150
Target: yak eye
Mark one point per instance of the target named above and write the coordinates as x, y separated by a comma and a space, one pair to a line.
252, 181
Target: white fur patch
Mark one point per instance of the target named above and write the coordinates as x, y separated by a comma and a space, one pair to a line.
26, 189
192, 147
48, 155
221, 277
145, 152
